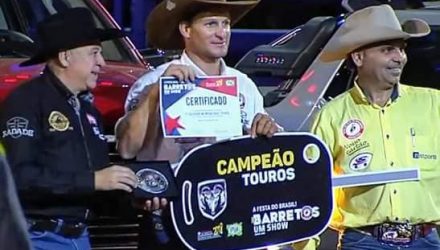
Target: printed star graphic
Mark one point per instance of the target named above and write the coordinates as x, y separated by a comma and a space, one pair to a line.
172, 123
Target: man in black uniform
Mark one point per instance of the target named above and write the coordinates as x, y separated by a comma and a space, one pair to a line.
53, 134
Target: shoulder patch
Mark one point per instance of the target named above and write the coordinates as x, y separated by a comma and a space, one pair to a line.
16, 127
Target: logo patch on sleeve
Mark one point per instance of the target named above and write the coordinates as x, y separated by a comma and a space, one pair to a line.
17, 127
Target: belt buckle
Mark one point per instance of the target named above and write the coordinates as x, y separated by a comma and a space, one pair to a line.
396, 234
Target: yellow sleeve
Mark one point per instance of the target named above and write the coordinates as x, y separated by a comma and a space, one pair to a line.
322, 127
2, 150
309, 244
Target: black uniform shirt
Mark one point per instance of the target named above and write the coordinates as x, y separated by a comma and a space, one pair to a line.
52, 148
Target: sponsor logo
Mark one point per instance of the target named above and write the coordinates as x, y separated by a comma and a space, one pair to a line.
308, 212
91, 119
234, 229
278, 219
355, 146
58, 121
311, 153
97, 132
242, 100
361, 161
152, 181
244, 119
216, 232
418, 155
17, 127
230, 82
212, 197
353, 129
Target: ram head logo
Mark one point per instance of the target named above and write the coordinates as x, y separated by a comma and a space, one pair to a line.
212, 196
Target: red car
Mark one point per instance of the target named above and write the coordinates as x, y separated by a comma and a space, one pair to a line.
18, 19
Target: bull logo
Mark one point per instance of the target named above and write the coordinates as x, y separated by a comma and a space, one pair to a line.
212, 196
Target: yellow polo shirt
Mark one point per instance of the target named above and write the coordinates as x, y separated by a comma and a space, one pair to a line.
363, 137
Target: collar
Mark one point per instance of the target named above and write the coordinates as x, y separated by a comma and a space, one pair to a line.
56, 82
63, 90
199, 72
358, 94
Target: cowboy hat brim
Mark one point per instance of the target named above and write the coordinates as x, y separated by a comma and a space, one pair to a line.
97, 36
344, 44
163, 21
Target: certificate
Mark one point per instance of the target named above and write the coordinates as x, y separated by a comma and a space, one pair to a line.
207, 107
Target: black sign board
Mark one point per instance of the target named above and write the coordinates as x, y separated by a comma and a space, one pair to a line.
252, 193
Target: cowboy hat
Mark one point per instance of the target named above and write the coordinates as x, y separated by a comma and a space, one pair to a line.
370, 25
66, 30
163, 21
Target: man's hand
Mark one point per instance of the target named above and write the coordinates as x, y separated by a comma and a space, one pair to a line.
181, 72
115, 178
151, 205
263, 125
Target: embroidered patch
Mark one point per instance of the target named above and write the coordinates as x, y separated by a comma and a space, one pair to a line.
361, 161
353, 129
423, 156
17, 127
58, 121
354, 146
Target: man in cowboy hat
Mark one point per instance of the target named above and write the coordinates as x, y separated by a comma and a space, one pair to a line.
381, 124
202, 29
53, 134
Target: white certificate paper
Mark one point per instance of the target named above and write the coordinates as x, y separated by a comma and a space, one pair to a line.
207, 107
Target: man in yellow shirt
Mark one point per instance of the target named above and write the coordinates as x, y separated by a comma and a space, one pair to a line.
381, 124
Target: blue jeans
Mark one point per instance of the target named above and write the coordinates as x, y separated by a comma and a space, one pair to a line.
51, 241
354, 240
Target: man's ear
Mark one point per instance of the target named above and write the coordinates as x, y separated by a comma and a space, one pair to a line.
185, 29
357, 58
63, 58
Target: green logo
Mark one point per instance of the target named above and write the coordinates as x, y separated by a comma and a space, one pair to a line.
235, 229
